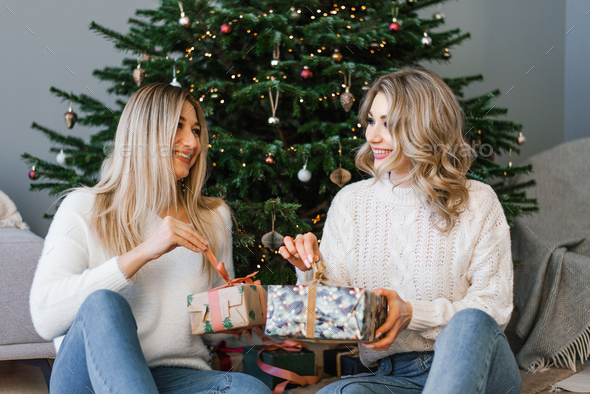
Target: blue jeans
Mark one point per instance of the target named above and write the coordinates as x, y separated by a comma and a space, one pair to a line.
471, 356
101, 354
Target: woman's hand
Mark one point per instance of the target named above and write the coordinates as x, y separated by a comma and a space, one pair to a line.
398, 318
171, 234
301, 251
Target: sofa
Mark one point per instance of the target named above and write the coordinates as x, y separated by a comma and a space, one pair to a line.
19, 253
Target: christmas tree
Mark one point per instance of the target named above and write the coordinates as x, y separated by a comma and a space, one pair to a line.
280, 85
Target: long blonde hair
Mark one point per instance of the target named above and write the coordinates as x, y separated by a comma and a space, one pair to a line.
134, 183
426, 123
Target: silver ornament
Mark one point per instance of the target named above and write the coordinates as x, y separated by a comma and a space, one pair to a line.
274, 62
272, 240
273, 121
521, 139
426, 40
61, 158
295, 14
70, 117
175, 83
346, 99
304, 174
184, 21
438, 15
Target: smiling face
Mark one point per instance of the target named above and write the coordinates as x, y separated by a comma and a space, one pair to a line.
187, 145
379, 136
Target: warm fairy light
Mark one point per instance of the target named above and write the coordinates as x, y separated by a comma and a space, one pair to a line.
284, 76
353, 129
319, 11
354, 137
319, 51
214, 164
201, 99
352, 15
270, 11
239, 75
222, 101
311, 54
358, 125
348, 27
205, 33
300, 100
353, 9
243, 164
312, 17
262, 96
258, 266
291, 37
255, 34
363, 8
325, 14
233, 77
209, 146
241, 16
247, 31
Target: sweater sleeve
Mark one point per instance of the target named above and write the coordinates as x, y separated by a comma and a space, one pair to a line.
63, 278
490, 274
334, 244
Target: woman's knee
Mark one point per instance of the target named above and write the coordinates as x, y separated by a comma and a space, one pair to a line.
469, 322
105, 302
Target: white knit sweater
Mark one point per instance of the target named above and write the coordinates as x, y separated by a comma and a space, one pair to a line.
73, 265
376, 236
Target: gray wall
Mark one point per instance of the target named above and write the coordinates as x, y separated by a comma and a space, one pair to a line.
29, 69
577, 62
508, 38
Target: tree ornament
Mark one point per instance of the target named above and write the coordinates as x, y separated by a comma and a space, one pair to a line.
174, 81
184, 21
270, 160
295, 14
446, 54
70, 117
214, 93
275, 55
304, 174
306, 74
33, 174
272, 240
138, 73
395, 23
521, 139
341, 176
337, 56
273, 120
346, 98
438, 15
61, 157
426, 40
225, 28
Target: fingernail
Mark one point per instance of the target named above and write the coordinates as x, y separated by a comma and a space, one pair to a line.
310, 257
369, 346
297, 256
378, 335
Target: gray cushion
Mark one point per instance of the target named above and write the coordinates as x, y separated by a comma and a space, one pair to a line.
19, 254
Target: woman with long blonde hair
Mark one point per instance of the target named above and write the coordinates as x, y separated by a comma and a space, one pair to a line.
120, 259
434, 243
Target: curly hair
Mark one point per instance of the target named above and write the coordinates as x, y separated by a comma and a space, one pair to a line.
426, 124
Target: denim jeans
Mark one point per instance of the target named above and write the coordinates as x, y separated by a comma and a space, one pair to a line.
101, 354
471, 356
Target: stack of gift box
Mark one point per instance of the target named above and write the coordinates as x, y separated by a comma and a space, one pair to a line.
313, 312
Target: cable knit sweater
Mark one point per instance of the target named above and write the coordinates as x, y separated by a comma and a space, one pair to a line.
377, 236
73, 265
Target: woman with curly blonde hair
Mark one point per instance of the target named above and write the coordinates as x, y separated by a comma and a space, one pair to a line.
436, 244
120, 259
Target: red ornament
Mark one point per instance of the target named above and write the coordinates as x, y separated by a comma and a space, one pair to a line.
33, 174
306, 74
394, 26
225, 28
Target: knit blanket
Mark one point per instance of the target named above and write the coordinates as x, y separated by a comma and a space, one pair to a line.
9, 216
552, 281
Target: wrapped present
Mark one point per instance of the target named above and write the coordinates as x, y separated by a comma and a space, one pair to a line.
344, 361
227, 359
281, 365
319, 312
239, 304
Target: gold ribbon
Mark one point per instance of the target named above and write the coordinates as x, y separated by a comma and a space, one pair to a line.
319, 279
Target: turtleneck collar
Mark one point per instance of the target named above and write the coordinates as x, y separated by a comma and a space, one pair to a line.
398, 196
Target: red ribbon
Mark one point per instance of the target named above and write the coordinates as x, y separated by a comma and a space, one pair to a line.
290, 346
213, 297
224, 359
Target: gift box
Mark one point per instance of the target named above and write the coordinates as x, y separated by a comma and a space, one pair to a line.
281, 365
324, 313
240, 303
344, 361
227, 359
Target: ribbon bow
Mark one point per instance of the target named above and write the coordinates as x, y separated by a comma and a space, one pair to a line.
213, 296
224, 359
290, 346
319, 279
